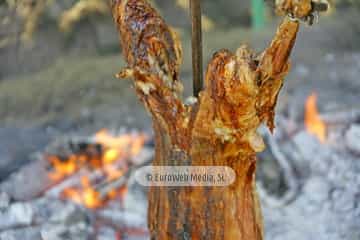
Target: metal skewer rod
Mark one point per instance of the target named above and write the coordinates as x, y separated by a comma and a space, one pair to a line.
197, 54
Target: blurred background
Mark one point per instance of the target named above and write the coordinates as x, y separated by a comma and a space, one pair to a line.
57, 65
58, 58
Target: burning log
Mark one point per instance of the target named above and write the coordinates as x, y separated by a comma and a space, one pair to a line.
219, 128
91, 171
106, 187
72, 181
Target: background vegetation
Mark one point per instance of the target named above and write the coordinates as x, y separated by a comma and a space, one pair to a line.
58, 57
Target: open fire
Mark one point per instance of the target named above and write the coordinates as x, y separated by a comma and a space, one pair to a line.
313, 122
107, 158
83, 186
91, 165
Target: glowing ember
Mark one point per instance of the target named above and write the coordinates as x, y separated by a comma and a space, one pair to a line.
104, 160
313, 123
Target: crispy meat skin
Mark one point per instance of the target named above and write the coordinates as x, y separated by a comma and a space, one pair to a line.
143, 31
153, 53
240, 93
297, 8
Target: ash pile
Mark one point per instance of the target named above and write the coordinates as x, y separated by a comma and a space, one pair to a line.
80, 188
309, 176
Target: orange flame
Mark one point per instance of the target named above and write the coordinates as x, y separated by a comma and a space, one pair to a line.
313, 123
121, 146
108, 162
61, 168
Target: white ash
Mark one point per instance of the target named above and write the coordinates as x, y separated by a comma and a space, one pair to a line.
134, 210
328, 205
352, 138
18, 186
16, 215
45, 218
54, 233
4, 200
143, 156
40, 211
126, 237
317, 189
302, 70
106, 233
28, 233
78, 231
124, 218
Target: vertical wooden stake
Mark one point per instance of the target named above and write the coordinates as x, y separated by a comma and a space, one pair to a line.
197, 57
